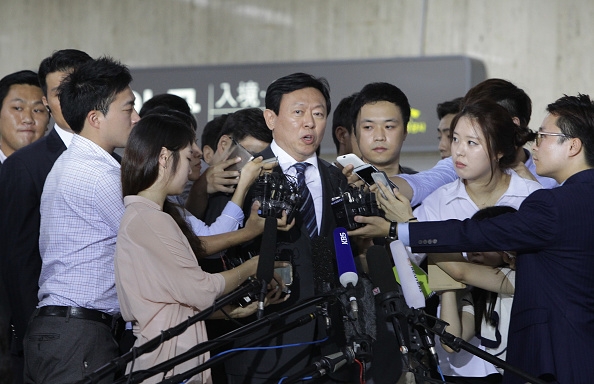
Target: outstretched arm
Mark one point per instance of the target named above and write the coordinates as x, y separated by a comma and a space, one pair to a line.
461, 323
481, 276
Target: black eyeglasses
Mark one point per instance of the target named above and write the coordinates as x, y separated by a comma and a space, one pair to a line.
540, 135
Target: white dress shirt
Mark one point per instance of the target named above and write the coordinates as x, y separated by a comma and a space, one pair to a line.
65, 135
312, 177
425, 182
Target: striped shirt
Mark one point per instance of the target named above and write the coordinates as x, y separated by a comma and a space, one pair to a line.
81, 209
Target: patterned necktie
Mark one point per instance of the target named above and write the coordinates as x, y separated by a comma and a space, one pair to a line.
307, 209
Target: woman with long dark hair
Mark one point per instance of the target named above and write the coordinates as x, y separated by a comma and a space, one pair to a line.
159, 281
483, 147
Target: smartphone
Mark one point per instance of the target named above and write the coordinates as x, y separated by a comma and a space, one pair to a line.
364, 172
381, 178
239, 151
286, 273
350, 158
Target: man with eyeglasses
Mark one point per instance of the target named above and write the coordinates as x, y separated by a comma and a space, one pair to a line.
552, 319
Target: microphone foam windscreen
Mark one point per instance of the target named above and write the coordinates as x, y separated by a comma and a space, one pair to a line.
366, 320
324, 265
380, 269
265, 269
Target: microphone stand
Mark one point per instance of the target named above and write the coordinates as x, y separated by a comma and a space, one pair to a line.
228, 338
419, 317
168, 334
219, 358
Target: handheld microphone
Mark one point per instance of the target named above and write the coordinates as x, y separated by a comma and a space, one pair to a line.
411, 289
347, 271
326, 364
265, 270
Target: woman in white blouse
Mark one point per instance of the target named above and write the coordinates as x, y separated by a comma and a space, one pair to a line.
483, 153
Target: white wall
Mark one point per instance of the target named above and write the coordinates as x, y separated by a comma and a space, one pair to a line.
543, 46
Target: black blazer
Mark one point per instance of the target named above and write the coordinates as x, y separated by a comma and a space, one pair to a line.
552, 320
21, 180
275, 364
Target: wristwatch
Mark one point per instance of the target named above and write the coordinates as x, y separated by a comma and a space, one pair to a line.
392, 234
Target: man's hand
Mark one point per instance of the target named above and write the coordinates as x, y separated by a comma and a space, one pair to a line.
396, 206
351, 176
219, 180
255, 223
276, 287
375, 226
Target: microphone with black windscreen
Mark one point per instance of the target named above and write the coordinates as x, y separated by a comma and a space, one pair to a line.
389, 296
265, 270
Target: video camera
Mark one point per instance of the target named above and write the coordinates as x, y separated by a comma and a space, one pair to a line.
277, 192
355, 201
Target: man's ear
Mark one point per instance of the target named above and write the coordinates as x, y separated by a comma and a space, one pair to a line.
94, 118
225, 142
207, 154
576, 147
46, 104
342, 135
270, 118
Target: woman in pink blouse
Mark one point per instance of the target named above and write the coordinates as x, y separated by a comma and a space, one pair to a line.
159, 281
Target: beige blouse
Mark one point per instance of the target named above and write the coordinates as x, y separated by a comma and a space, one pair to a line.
160, 284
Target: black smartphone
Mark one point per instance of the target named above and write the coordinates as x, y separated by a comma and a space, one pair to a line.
365, 173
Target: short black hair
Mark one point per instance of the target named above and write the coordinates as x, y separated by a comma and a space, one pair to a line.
342, 117
211, 132
170, 101
246, 122
63, 60
92, 86
374, 92
294, 82
450, 107
24, 77
575, 118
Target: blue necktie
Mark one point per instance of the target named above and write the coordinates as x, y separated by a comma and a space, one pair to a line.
308, 211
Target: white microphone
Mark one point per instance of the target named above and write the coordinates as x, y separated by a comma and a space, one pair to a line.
411, 288
347, 272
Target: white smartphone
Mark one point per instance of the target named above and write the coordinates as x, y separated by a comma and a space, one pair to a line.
350, 158
381, 178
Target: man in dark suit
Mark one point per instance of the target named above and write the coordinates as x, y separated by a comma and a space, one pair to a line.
22, 178
297, 107
551, 330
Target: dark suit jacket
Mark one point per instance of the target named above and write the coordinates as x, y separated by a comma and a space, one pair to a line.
272, 365
21, 180
552, 320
